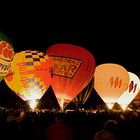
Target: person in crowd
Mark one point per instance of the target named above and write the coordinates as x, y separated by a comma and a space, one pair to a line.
59, 130
109, 131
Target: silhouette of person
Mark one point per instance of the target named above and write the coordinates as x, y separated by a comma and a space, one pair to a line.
59, 130
109, 131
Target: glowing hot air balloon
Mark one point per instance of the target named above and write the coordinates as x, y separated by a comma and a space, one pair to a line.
6, 55
30, 75
72, 69
131, 92
110, 81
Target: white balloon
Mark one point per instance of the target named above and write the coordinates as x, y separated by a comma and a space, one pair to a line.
131, 91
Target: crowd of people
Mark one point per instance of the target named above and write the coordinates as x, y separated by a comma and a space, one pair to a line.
69, 124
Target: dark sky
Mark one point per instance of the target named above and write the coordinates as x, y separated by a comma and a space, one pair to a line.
107, 45
111, 37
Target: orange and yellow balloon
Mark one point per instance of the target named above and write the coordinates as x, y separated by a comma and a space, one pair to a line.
110, 81
30, 75
72, 69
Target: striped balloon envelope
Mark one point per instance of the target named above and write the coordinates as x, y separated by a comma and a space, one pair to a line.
83, 96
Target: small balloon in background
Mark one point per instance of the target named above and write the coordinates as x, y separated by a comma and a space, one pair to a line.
110, 81
131, 92
136, 101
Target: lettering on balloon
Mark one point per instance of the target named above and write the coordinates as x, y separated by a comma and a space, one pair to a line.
4, 68
65, 66
115, 82
132, 86
23, 74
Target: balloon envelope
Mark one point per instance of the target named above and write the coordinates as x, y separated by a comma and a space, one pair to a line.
30, 75
72, 69
83, 96
131, 92
6, 55
110, 81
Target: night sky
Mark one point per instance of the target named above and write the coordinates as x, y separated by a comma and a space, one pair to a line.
110, 37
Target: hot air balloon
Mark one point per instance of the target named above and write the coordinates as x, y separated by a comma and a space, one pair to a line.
131, 92
136, 100
30, 75
72, 69
6, 55
110, 81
